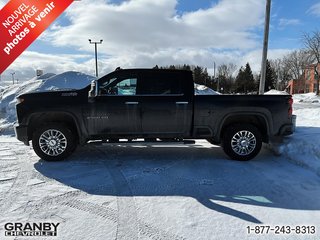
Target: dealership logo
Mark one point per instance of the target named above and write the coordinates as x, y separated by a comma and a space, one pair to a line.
31, 229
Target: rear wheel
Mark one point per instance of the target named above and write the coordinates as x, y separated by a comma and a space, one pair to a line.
53, 142
242, 142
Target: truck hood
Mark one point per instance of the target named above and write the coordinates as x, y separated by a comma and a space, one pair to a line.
54, 96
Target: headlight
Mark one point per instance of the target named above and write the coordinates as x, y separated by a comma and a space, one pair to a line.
20, 99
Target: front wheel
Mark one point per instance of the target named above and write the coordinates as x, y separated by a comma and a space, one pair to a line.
53, 142
242, 142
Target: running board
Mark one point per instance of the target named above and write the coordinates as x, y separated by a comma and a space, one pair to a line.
142, 142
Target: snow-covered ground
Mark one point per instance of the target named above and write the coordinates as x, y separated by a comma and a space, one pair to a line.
303, 148
164, 191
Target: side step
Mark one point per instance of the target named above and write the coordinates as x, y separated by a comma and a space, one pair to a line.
142, 141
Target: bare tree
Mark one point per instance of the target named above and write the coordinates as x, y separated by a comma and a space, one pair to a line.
294, 65
312, 43
278, 67
225, 72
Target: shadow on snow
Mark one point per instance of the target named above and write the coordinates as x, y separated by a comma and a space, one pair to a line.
189, 170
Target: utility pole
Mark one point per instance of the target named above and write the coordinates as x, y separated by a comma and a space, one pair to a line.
265, 48
13, 73
96, 53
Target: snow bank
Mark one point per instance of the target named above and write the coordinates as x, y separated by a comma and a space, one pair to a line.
66, 81
303, 146
276, 92
46, 82
204, 90
306, 98
8, 100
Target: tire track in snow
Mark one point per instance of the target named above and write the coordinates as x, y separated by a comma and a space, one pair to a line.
54, 200
112, 215
128, 225
11, 196
126, 212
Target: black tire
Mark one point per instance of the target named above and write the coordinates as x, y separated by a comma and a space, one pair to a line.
242, 142
53, 142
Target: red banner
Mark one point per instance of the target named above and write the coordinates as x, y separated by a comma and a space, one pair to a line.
21, 22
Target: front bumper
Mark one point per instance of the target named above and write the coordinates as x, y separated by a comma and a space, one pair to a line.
289, 129
21, 132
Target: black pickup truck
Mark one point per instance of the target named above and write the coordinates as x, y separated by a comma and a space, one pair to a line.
152, 104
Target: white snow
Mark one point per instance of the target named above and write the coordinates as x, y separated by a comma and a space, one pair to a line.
66, 81
46, 82
276, 92
303, 147
164, 191
204, 90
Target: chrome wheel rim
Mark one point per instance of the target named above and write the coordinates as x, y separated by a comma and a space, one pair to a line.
243, 143
53, 142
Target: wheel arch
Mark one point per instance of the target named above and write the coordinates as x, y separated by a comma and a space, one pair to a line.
258, 120
40, 118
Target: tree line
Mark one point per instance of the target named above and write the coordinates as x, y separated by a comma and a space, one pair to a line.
226, 81
279, 71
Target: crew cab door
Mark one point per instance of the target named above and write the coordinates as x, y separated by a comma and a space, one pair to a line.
166, 103
115, 111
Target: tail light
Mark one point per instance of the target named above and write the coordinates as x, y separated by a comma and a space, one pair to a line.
290, 102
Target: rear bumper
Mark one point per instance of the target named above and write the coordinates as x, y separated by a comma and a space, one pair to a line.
21, 132
289, 129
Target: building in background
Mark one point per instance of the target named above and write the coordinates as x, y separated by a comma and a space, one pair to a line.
307, 83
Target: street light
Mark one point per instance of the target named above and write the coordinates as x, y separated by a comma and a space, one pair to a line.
13, 73
96, 53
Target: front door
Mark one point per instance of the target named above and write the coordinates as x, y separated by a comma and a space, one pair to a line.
115, 111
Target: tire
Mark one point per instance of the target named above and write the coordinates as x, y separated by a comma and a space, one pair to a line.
53, 142
242, 142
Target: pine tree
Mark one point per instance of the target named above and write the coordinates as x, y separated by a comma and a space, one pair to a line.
271, 78
249, 79
245, 81
240, 81
197, 75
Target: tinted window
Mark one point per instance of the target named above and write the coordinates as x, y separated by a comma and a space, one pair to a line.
162, 84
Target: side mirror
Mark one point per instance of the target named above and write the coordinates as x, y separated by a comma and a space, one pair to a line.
93, 90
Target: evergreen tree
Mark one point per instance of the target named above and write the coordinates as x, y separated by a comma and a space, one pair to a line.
250, 83
186, 67
245, 81
240, 81
198, 75
271, 78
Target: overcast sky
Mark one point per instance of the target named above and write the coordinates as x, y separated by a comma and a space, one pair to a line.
145, 33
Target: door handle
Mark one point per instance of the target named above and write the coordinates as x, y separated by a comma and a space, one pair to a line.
131, 103
182, 103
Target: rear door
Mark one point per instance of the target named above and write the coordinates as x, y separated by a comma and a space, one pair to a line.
166, 103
